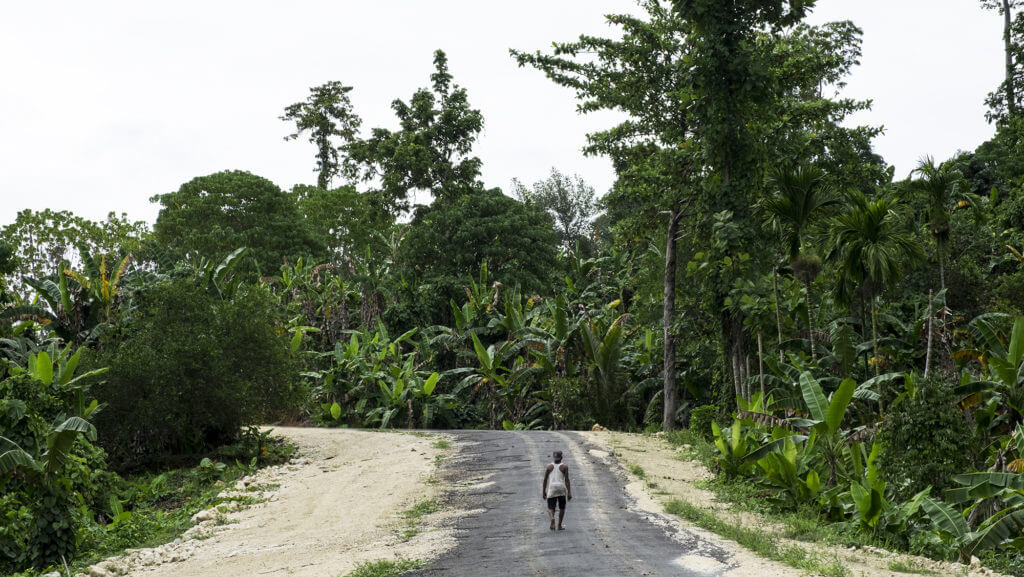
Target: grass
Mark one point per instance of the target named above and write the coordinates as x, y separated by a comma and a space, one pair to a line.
758, 541
385, 568
441, 444
637, 471
909, 567
421, 509
414, 514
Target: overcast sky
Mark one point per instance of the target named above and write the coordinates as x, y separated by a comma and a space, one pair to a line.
104, 104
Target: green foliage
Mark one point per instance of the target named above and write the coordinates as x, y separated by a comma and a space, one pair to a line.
326, 115
385, 568
190, 370
701, 419
925, 440
431, 151
448, 240
210, 216
569, 200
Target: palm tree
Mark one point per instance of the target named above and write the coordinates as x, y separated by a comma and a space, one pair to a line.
801, 196
944, 188
871, 243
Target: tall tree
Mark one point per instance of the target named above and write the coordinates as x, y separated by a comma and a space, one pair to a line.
943, 188
801, 197
871, 244
1004, 102
568, 199
646, 75
431, 151
327, 115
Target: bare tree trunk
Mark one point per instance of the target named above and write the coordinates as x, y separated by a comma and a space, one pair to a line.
746, 379
874, 343
942, 273
668, 422
778, 314
928, 350
810, 321
760, 364
1011, 96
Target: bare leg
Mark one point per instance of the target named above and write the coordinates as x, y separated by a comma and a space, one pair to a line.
551, 514
561, 515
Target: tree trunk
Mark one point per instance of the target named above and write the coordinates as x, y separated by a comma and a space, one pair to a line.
760, 365
928, 350
1011, 100
810, 321
668, 422
778, 314
874, 346
942, 273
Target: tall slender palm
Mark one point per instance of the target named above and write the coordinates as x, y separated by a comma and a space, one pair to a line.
944, 188
801, 197
871, 244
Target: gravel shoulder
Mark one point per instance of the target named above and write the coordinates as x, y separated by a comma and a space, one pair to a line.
336, 505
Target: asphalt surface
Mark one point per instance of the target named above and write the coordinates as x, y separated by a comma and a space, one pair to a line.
501, 473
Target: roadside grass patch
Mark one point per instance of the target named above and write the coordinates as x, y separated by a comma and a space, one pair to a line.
421, 509
759, 542
637, 471
909, 567
441, 444
385, 568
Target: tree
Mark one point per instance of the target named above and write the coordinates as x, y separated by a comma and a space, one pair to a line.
871, 245
569, 200
703, 87
1004, 102
43, 240
801, 196
645, 75
447, 242
344, 220
327, 116
213, 215
943, 188
430, 151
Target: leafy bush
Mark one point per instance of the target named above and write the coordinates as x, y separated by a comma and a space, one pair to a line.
189, 370
925, 440
569, 406
49, 475
701, 419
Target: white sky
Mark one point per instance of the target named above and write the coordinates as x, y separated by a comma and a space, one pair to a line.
104, 104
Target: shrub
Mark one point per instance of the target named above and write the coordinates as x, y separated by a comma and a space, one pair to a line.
701, 419
188, 370
925, 440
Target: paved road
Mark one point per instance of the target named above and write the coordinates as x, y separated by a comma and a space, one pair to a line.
603, 536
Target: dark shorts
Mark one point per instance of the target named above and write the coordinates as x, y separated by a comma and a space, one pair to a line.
559, 500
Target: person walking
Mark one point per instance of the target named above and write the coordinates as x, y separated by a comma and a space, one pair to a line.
556, 488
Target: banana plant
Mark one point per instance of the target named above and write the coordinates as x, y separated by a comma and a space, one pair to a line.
602, 350
826, 420
58, 446
1004, 389
1004, 528
788, 467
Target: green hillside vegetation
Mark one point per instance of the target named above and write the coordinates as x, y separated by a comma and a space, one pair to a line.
851, 344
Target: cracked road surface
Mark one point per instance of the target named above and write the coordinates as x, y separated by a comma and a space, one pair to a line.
501, 472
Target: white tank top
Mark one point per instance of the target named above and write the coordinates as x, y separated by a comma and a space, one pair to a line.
556, 482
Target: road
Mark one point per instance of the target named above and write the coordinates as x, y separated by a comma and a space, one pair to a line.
604, 536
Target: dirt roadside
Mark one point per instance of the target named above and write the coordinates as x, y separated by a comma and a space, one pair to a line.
676, 477
336, 505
